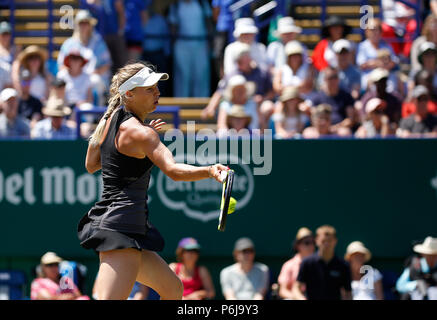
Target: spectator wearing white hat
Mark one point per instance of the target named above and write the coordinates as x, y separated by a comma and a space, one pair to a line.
349, 74
50, 285
249, 69
54, 126
421, 123
287, 31
296, 71
238, 91
376, 123
366, 281
12, 125
245, 31
419, 279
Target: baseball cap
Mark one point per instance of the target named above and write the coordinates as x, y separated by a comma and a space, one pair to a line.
419, 91
243, 243
378, 74
5, 27
189, 244
341, 45
303, 233
8, 93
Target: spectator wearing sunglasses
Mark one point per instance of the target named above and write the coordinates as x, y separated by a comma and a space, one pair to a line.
245, 279
196, 279
50, 285
421, 123
28, 106
304, 246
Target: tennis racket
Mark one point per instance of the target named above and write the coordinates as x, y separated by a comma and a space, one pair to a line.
226, 197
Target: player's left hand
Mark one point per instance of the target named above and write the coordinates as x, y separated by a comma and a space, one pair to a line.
157, 124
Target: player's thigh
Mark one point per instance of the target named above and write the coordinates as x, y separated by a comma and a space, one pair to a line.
117, 273
155, 273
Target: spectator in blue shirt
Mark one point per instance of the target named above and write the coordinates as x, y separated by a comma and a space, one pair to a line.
349, 74
54, 126
191, 65
157, 45
224, 20
367, 52
136, 16
12, 125
419, 279
111, 23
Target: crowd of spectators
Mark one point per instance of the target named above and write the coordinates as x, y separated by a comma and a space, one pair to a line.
314, 272
385, 85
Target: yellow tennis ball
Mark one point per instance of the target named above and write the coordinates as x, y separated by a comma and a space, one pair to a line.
232, 205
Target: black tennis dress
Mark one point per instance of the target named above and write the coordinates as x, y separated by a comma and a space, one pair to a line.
121, 218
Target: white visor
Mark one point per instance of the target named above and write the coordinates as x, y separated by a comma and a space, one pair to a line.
146, 77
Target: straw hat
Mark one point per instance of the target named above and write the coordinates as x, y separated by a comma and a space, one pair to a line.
32, 50
303, 233
357, 247
289, 93
235, 81
238, 111
429, 246
56, 108
50, 257
244, 25
293, 47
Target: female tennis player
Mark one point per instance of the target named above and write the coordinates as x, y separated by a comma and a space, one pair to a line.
117, 226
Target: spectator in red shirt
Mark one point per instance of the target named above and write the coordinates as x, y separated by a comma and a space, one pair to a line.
400, 34
304, 246
196, 279
424, 78
333, 29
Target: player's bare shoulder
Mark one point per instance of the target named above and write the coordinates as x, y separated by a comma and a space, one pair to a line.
134, 137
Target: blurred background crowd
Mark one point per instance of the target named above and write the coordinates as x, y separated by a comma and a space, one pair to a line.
314, 272
383, 84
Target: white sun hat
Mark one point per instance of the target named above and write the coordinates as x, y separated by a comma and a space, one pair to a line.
429, 246
146, 77
244, 25
286, 25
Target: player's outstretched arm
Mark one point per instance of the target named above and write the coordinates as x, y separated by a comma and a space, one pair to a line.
146, 141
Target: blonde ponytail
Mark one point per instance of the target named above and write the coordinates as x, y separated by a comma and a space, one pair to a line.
115, 100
